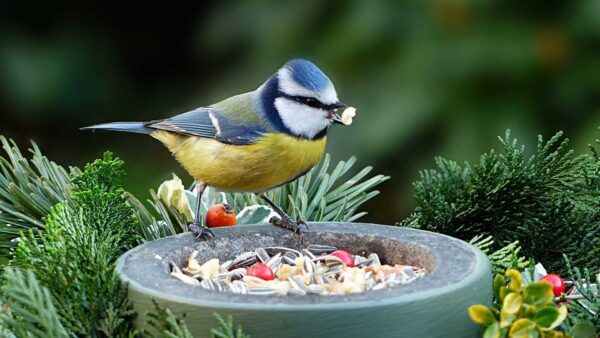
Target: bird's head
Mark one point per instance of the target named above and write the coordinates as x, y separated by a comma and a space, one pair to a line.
301, 100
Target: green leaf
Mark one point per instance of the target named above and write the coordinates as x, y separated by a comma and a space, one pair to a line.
583, 330
529, 311
481, 314
523, 328
538, 293
492, 331
254, 214
516, 281
506, 319
512, 303
504, 291
499, 282
550, 317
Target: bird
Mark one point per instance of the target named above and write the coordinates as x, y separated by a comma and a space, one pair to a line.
251, 142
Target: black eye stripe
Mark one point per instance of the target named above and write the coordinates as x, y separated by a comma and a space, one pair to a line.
309, 101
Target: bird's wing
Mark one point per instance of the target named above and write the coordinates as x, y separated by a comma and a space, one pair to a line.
211, 123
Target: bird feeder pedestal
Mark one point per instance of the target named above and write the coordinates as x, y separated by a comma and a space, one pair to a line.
435, 305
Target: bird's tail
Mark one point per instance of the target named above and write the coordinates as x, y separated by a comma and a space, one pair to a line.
129, 127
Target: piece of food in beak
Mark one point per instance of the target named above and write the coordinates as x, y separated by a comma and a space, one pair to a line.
347, 115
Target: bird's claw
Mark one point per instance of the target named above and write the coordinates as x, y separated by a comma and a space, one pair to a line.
202, 233
286, 222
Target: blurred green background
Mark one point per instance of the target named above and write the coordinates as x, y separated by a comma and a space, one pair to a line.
428, 77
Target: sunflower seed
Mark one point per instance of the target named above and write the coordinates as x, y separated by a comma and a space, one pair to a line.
329, 260
288, 260
308, 254
274, 262
273, 250
236, 274
320, 249
183, 277
262, 255
244, 260
212, 284
297, 283
315, 289
334, 270
375, 258
238, 287
308, 267
358, 259
295, 292
263, 291
366, 262
291, 254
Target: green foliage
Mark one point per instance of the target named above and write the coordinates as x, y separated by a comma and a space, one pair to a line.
28, 190
75, 257
166, 324
226, 329
586, 309
323, 194
520, 311
548, 201
507, 257
30, 310
163, 221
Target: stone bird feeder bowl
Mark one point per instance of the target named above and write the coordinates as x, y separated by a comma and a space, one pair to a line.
435, 305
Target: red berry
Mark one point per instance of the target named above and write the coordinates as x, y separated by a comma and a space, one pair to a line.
558, 285
260, 270
220, 215
345, 257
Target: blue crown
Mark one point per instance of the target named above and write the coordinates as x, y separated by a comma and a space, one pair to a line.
308, 75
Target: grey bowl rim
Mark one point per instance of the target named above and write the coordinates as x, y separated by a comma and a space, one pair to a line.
481, 268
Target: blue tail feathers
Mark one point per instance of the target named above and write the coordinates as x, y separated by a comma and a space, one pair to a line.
130, 127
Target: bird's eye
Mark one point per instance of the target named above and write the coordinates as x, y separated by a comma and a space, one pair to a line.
309, 101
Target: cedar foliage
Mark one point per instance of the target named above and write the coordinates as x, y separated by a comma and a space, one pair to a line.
30, 310
549, 201
75, 257
165, 324
507, 257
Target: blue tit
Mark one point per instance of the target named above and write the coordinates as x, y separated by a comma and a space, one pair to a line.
251, 142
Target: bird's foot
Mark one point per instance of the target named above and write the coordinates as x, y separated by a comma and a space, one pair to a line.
202, 233
287, 222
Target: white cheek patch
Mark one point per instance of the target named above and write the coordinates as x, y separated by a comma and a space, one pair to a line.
300, 119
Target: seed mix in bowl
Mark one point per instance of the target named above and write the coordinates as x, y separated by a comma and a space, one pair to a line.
315, 270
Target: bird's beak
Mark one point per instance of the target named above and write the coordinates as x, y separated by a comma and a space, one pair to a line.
333, 116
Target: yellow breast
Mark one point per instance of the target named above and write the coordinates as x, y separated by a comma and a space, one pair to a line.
272, 161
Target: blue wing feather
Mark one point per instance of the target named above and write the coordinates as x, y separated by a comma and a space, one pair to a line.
210, 123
